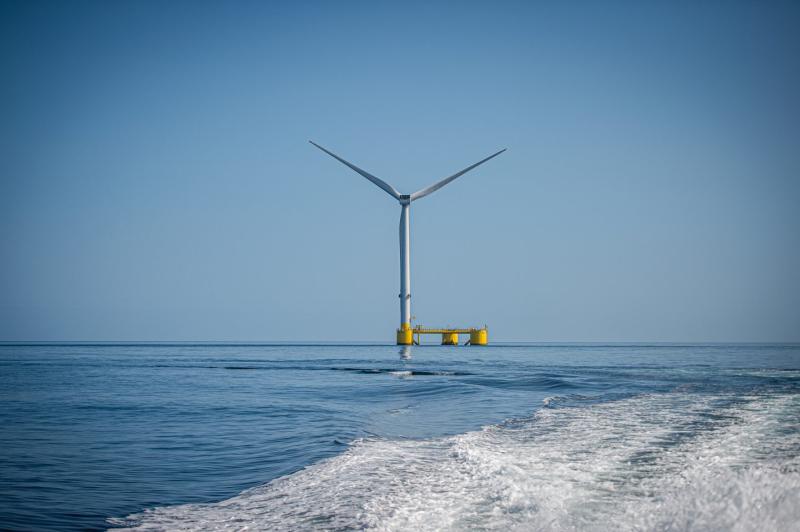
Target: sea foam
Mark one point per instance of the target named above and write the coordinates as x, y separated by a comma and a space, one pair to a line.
673, 461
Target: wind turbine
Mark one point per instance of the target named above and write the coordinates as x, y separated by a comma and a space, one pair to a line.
404, 334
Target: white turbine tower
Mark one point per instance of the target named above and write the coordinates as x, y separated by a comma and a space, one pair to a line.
405, 236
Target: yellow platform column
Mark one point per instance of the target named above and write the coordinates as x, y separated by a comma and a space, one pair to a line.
405, 336
479, 337
449, 338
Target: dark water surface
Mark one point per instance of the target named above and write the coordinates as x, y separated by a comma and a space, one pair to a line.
547, 437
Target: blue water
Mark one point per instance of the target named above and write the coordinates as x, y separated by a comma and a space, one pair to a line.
547, 437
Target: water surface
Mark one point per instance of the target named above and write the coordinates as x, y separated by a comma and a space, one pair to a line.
547, 437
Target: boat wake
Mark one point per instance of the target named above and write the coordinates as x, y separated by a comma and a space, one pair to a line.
673, 461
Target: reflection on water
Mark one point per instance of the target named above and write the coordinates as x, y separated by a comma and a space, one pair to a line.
405, 352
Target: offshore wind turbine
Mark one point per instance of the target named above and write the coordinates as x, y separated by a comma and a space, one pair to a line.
404, 333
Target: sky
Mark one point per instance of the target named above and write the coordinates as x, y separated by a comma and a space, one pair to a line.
156, 181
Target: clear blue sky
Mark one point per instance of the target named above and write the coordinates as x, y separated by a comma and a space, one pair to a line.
157, 184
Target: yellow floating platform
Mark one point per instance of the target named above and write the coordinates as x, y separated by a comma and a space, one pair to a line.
406, 335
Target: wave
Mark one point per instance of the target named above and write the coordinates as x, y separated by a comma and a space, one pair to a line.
405, 372
672, 461
365, 370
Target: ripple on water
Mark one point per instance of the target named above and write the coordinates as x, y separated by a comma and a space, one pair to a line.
648, 462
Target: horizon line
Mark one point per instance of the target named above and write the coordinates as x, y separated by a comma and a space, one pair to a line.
378, 343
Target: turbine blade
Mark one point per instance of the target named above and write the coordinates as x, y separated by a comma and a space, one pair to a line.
381, 183
436, 186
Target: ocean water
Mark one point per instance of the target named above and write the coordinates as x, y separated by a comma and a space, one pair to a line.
343, 437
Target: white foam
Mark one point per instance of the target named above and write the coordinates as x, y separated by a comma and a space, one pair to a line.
655, 462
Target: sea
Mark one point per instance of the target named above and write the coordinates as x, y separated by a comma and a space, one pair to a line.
189, 436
